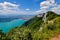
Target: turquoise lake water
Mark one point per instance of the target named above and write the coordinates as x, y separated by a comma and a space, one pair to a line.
7, 26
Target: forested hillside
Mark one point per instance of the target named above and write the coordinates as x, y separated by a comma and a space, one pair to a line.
36, 29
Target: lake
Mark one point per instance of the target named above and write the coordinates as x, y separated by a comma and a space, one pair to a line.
7, 26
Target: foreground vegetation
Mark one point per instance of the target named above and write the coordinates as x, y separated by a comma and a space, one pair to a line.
35, 29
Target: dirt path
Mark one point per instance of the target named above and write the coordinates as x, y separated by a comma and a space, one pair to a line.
56, 38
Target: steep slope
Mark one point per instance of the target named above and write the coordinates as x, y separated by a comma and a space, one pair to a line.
30, 29
51, 15
34, 23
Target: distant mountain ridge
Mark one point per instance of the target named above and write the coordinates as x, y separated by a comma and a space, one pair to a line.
7, 18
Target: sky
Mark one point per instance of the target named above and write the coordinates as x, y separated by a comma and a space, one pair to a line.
28, 6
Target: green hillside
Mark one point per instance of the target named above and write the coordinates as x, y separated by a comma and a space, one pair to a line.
36, 29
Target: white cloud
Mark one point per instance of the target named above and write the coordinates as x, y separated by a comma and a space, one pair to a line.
56, 9
27, 9
41, 11
8, 8
8, 5
46, 6
52, 1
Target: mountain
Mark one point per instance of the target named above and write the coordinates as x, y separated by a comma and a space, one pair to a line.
36, 29
51, 15
7, 18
